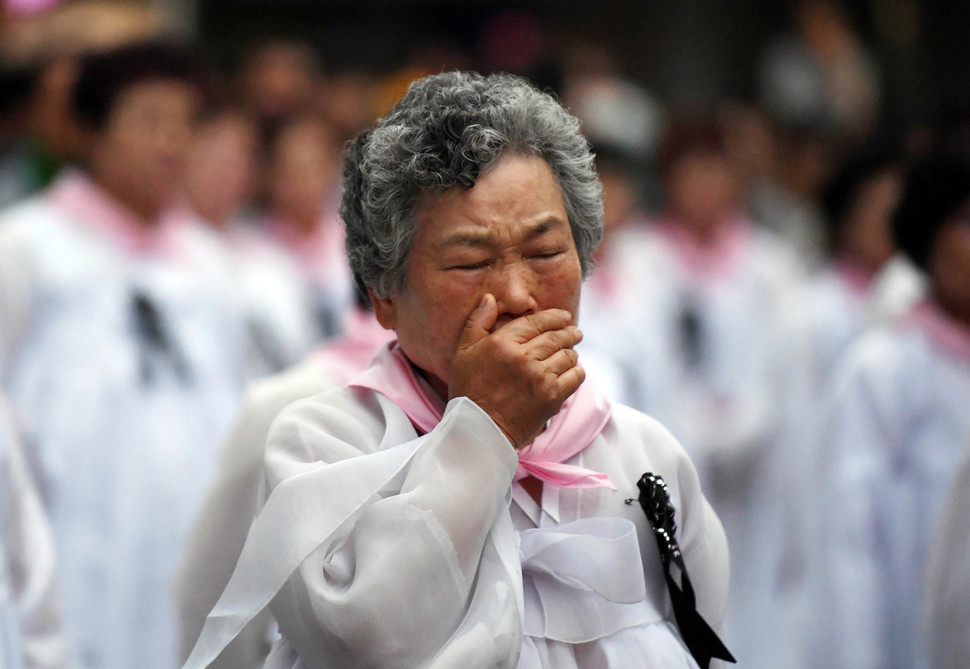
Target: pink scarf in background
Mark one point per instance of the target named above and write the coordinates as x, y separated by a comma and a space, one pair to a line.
581, 418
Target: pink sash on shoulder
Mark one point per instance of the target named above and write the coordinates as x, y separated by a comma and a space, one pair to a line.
581, 418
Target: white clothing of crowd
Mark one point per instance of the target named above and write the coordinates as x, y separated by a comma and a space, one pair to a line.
30, 629
126, 350
824, 415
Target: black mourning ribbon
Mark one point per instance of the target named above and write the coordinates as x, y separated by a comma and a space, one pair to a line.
691, 330
155, 342
268, 347
702, 642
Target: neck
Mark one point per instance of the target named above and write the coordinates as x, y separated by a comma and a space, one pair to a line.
437, 385
146, 210
701, 232
304, 225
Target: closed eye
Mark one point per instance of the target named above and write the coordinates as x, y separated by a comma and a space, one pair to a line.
548, 253
470, 266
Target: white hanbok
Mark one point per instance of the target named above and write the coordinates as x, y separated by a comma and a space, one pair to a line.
835, 308
381, 546
30, 621
898, 430
233, 499
275, 299
265, 286
616, 347
123, 357
321, 258
948, 578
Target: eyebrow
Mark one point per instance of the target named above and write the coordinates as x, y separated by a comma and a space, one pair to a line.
483, 237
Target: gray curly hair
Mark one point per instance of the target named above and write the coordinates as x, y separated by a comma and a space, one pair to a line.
446, 131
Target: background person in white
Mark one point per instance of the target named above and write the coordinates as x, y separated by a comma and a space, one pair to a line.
122, 352
894, 440
233, 497
948, 578
399, 529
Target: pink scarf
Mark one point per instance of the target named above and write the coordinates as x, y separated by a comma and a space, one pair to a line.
708, 263
582, 417
99, 212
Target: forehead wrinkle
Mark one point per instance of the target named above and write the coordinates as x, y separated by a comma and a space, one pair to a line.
472, 238
483, 236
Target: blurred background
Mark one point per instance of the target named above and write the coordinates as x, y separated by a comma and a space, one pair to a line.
752, 153
901, 63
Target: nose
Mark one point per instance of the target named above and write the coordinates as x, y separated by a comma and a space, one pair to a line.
514, 288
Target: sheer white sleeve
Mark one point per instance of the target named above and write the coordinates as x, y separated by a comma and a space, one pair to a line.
379, 547
393, 584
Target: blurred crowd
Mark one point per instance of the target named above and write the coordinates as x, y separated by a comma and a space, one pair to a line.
784, 283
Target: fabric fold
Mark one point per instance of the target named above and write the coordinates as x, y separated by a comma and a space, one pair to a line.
584, 580
299, 516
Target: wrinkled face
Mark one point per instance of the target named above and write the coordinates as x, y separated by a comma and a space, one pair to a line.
509, 235
140, 153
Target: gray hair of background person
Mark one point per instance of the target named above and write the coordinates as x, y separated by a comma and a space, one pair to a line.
446, 131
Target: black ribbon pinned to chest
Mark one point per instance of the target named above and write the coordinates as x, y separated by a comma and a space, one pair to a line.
702, 642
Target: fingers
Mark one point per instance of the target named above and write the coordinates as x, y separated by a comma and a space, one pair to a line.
562, 361
520, 372
544, 334
549, 343
529, 327
480, 322
571, 379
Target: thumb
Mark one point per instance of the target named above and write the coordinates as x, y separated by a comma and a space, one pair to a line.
480, 322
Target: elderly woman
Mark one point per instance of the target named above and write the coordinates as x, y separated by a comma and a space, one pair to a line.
461, 503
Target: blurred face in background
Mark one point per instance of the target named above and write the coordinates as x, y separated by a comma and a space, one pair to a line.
867, 234
220, 177
280, 79
701, 190
140, 154
949, 266
304, 172
619, 197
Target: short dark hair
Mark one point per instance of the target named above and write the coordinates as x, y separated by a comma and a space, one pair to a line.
687, 135
935, 189
104, 76
859, 168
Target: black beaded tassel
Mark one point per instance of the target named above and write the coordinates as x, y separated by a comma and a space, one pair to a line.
702, 642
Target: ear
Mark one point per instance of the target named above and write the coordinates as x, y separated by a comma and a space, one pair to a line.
384, 309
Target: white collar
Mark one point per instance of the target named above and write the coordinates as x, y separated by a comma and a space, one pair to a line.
550, 503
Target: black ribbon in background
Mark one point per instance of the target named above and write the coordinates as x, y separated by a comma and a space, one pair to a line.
702, 642
155, 342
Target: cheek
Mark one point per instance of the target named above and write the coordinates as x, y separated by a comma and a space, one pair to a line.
560, 288
436, 319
